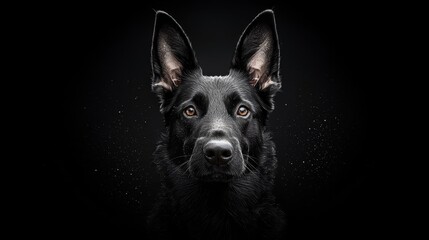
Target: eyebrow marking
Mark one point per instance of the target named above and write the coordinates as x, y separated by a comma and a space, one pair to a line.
185, 103
199, 100
235, 98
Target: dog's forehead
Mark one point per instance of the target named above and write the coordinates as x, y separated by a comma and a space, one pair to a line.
219, 85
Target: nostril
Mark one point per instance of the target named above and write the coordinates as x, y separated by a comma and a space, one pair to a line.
226, 153
218, 151
209, 152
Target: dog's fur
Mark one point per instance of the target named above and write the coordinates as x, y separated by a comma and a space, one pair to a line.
225, 196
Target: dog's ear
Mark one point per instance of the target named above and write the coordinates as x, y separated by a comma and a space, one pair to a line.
172, 54
258, 55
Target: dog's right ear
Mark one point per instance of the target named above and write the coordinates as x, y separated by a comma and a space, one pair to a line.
172, 55
258, 56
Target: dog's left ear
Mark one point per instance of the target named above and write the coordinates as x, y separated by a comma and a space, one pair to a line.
258, 56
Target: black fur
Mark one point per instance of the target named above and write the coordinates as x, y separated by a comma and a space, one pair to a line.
200, 199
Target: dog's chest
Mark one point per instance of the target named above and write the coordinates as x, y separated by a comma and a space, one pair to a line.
215, 216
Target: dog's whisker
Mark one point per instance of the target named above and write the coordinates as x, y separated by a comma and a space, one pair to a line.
188, 170
252, 159
249, 169
179, 157
178, 167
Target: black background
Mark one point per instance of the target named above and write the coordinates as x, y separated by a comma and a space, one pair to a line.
97, 122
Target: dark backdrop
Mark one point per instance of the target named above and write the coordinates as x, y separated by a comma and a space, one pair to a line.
101, 122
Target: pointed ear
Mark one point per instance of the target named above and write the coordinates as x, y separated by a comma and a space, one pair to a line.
258, 53
172, 54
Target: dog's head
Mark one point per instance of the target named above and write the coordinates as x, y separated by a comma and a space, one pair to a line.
216, 123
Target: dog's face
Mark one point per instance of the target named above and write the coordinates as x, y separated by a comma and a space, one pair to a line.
216, 123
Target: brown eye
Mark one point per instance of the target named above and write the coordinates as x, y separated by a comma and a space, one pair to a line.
243, 111
190, 112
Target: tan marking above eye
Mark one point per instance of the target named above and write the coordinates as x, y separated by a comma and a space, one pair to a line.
190, 112
242, 111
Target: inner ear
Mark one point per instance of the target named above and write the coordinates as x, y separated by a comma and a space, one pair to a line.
258, 65
171, 67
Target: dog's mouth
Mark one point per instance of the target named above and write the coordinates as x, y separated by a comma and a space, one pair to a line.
217, 177
217, 174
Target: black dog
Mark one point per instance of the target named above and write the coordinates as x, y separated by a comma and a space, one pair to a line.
216, 160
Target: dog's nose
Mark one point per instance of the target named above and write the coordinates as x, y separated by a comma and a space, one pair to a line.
218, 152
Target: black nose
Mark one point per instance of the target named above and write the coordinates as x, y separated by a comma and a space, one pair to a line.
218, 152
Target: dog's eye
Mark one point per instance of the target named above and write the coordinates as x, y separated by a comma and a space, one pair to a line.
190, 112
243, 111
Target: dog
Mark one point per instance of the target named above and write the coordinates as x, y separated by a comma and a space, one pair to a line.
216, 160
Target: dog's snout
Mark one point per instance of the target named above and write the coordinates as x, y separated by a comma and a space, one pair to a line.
217, 133
218, 152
